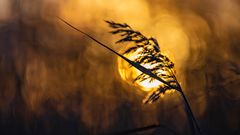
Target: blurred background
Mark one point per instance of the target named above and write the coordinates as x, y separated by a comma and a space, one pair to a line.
54, 80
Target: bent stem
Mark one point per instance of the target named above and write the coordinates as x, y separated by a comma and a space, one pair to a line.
195, 129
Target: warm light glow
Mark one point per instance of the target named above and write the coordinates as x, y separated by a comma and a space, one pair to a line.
165, 27
128, 73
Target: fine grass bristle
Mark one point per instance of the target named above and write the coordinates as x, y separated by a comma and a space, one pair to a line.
150, 54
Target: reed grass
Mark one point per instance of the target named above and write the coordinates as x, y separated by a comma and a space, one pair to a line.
150, 53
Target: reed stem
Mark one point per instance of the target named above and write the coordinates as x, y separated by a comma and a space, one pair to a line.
195, 129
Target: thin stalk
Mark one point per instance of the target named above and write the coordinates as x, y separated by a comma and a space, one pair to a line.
195, 129
134, 64
190, 116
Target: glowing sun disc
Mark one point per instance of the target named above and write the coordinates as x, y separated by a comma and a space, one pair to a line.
128, 74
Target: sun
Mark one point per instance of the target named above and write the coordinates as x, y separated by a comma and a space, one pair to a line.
128, 74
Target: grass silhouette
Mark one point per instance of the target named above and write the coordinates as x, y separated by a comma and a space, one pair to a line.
150, 54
